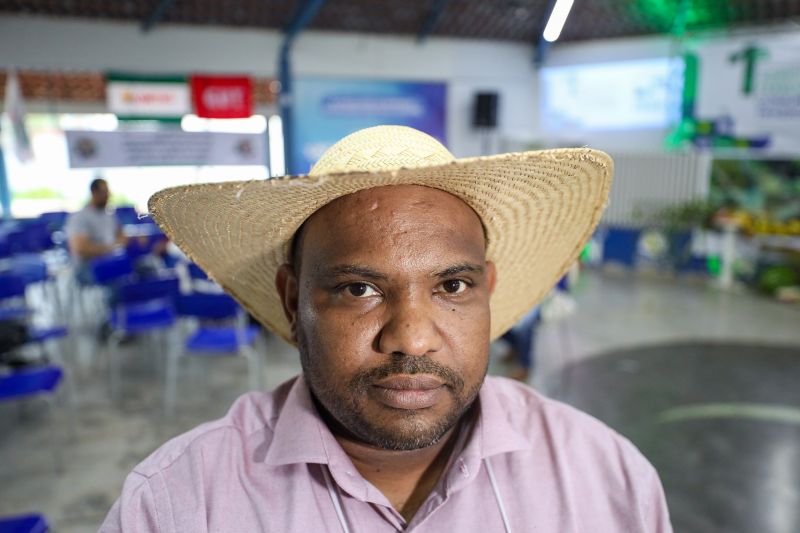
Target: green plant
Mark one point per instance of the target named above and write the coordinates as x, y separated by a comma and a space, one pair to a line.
685, 216
42, 193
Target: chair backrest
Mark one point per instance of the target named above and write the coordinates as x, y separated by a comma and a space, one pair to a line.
30, 237
195, 272
148, 289
55, 220
30, 267
621, 245
32, 523
207, 306
126, 214
110, 269
29, 381
11, 286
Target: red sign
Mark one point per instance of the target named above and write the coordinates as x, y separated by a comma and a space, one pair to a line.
222, 97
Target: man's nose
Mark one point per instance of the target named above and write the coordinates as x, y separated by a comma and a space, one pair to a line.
410, 329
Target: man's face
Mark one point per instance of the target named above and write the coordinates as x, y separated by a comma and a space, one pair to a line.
100, 196
390, 311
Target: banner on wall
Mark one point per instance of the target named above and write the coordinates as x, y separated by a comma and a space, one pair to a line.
743, 92
325, 110
100, 149
222, 96
137, 97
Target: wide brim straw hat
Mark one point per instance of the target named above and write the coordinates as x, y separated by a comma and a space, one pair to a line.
539, 209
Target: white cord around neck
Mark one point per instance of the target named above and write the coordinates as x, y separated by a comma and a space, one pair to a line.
334, 494
506, 522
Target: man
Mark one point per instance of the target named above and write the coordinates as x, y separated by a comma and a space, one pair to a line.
93, 231
394, 267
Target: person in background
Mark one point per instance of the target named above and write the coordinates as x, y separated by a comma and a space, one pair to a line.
93, 231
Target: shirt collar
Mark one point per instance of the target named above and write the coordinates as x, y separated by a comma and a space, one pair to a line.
301, 436
299, 432
494, 427
491, 433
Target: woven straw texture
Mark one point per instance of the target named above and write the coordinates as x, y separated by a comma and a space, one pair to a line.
539, 209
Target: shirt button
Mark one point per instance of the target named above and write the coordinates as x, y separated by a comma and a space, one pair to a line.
463, 468
349, 473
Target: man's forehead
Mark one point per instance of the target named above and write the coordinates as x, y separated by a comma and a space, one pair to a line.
407, 211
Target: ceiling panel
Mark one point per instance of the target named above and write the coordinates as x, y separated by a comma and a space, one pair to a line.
510, 20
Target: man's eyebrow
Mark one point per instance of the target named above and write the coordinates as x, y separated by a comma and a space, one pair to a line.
353, 270
459, 269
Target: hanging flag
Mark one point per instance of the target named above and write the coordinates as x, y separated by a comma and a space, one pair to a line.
143, 97
15, 107
222, 96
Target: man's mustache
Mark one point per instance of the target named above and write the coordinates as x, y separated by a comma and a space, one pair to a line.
409, 365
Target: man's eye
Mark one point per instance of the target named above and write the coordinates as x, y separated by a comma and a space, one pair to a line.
361, 290
454, 286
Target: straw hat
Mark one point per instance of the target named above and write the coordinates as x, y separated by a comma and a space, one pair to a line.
539, 209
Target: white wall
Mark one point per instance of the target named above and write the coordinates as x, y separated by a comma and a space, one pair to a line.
466, 66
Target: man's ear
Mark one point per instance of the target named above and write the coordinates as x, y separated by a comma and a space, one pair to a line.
286, 284
491, 276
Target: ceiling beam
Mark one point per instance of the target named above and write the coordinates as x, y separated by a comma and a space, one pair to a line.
542, 46
305, 12
432, 20
301, 18
157, 15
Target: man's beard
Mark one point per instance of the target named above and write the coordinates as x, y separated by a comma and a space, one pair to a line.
346, 411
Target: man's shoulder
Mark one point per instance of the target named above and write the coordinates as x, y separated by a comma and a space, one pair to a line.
250, 419
543, 421
83, 212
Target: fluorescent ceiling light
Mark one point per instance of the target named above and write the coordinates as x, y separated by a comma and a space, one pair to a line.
557, 19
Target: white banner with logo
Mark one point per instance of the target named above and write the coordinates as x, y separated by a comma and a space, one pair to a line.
100, 149
748, 92
156, 98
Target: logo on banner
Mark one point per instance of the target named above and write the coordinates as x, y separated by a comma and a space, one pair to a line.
145, 98
222, 97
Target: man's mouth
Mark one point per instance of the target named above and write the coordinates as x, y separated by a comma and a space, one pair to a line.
416, 391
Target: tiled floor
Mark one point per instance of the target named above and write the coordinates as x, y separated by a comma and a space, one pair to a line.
614, 313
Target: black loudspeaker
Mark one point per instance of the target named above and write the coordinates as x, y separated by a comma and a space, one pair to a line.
485, 111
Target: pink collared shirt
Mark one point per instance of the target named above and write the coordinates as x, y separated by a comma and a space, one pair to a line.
526, 464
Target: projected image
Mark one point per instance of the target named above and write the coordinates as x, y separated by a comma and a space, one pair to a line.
624, 95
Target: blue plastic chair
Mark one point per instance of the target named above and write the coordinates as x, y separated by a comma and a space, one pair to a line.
36, 382
29, 382
32, 523
222, 331
34, 271
111, 269
141, 307
12, 297
621, 245
687, 262
126, 214
30, 236
31, 267
13, 307
195, 272
55, 220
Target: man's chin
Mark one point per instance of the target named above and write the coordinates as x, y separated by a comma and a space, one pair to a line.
409, 430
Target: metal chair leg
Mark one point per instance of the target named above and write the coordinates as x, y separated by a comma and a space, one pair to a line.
114, 364
171, 382
253, 368
56, 440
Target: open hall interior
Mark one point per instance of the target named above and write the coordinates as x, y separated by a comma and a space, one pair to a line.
678, 325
